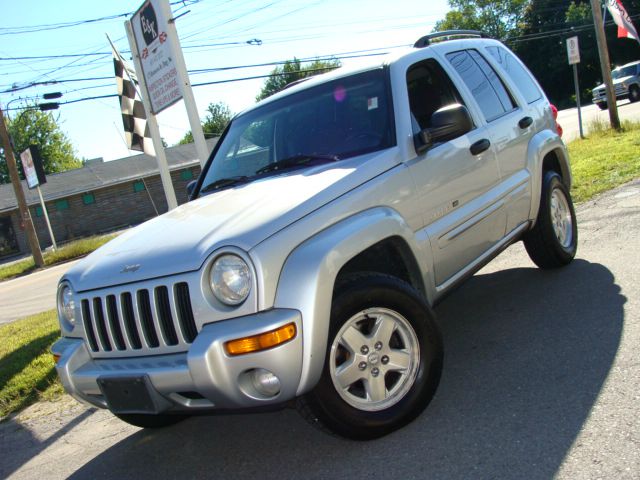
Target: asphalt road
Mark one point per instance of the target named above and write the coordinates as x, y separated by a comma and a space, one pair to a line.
30, 294
540, 381
568, 119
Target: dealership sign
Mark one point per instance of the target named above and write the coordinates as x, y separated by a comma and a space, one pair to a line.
32, 166
156, 57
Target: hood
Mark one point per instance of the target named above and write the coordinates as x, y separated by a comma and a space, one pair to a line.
242, 216
615, 82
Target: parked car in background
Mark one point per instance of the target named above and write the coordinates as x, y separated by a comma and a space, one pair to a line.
626, 83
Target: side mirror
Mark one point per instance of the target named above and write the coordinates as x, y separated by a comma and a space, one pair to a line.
191, 186
447, 123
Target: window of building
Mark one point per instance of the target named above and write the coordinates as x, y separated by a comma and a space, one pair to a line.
485, 85
186, 174
62, 204
88, 198
38, 211
138, 186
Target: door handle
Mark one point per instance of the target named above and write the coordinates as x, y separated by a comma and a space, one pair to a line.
525, 122
480, 146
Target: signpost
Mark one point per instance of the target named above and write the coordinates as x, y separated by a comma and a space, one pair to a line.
25, 215
162, 65
573, 52
34, 173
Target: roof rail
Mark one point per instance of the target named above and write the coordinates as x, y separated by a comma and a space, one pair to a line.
447, 34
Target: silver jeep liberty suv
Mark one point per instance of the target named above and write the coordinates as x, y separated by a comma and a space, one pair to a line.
327, 222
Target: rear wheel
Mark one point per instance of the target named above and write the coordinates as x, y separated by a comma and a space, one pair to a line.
553, 241
383, 360
150, 421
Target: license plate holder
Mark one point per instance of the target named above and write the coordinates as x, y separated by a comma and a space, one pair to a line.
134, 394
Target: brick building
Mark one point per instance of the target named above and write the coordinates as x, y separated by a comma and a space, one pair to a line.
97, 198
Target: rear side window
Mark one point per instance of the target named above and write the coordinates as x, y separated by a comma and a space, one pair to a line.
484, 83
521, 78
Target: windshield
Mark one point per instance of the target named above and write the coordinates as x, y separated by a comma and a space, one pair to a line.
624, 72
327, 123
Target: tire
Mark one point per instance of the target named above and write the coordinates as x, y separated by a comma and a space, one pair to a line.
553, 241
602, 105
634, 93
150, 421
383, 360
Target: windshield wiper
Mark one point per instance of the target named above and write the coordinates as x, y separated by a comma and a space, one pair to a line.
225, 182
296, 161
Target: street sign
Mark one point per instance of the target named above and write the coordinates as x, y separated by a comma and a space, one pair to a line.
32, 166
151, 32
573, 50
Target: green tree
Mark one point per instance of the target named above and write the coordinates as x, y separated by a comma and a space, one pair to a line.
33, 127
291, 71
218, 116
542, 46
498, 18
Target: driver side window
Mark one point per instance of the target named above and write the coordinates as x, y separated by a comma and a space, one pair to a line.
430, 89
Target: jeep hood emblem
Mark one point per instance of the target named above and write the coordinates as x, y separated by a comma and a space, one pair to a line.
130, 268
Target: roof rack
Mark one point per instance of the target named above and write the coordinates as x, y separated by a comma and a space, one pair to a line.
448, 34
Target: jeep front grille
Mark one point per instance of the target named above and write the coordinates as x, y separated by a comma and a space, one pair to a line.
139, 321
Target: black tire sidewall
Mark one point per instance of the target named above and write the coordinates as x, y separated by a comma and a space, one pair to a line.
553, 182
380, 291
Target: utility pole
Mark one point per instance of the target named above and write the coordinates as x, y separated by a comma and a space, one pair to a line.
25, 215
605, 64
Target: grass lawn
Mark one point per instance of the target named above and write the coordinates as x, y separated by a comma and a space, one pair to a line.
604, 160
68, 251
27, 371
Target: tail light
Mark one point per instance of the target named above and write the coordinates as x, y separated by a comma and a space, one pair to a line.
554, 111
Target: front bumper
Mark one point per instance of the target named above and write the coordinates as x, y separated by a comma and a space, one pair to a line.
203, 378
621, 91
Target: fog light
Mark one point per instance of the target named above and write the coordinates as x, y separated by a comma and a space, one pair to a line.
265, 382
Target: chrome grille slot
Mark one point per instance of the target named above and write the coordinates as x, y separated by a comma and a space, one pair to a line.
148, 328
130, 321
98, 315
114, 322
134, 321
163, 307
185, 312
88, 326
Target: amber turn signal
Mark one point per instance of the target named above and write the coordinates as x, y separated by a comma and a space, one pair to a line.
56, 358
263, 341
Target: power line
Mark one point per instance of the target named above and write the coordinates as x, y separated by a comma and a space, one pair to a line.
56, 26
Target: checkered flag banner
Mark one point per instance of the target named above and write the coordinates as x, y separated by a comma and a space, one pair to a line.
134, 118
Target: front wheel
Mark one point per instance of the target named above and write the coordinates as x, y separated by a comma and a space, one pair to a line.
634, 93
602, 105
553, 241
383, 360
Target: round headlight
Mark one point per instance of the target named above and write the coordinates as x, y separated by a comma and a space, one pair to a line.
66, 305
230, 279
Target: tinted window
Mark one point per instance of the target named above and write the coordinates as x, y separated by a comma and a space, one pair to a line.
521, 77
430, 89
339, 119
485, 85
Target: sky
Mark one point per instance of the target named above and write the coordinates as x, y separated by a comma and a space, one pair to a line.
213, 34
